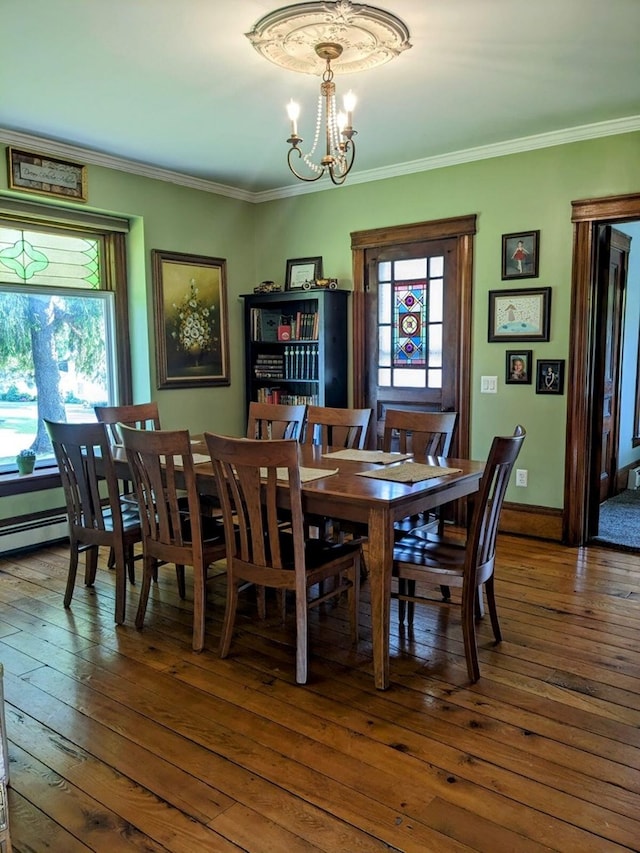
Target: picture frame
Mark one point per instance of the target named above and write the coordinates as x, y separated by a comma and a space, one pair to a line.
191, 320
519, 315
40, 173
550, 376
518, 367
301, 270
520, 255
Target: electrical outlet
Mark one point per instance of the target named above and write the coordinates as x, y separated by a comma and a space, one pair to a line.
488, 384
522, 477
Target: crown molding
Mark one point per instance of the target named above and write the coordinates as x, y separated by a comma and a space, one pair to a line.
455, 158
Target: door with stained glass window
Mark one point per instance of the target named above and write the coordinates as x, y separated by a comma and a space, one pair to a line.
412, 330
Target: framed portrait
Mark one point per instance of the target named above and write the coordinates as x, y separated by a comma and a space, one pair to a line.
300, 270
45, 175
520, 255
519, 315
550, 376
518, 367
191, 320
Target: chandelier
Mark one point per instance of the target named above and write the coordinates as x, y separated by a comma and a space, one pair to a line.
353, 37
340, 149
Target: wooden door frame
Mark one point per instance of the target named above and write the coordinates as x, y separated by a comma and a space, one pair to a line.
461, 228
587, 214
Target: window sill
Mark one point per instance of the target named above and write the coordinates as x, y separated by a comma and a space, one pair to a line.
16, 484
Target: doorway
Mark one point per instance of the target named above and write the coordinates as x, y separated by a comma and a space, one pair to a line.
442, 248
594, 363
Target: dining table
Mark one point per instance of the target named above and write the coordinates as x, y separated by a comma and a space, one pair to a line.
372, 488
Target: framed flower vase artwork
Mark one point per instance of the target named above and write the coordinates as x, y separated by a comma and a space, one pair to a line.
301, 270
519, 315
518, 367
520, 255
550, 376
191, 320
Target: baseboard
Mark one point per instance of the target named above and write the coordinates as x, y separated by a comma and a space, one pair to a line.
32, 533
539, 522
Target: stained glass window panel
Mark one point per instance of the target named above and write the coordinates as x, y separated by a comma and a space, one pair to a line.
435, 378
410, 268
384, 377
384, 302
409, 338
407, 378
48, 259
384, 346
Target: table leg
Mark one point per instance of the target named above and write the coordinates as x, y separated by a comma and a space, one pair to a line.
380, 558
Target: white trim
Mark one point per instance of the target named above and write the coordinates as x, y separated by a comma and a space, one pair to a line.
440, 161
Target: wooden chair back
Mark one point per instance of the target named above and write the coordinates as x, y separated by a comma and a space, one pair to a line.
139, 415
337, 427
96, 515
173, 529
275, 421
249, 477
421, 433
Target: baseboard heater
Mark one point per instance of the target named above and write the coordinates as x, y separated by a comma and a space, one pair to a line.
633, 478
22, 536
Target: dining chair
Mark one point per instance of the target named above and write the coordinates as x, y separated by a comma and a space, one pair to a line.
173, 530
137, 415
260, 551
468, 566
423, 434
336, 427
275, 420
96, 514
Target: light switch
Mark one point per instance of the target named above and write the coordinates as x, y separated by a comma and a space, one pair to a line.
488, 384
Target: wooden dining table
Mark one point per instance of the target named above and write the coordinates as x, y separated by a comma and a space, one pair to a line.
346, 495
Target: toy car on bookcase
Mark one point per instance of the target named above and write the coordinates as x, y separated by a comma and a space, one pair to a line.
328, 283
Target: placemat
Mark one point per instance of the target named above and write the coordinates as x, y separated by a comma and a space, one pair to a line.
409, 472
306, 474
200, 457
379, 456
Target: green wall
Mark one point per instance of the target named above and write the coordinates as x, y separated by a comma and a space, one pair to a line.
527, 191
519, 192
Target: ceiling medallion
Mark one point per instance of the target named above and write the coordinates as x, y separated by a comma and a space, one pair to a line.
317, 38
368, 36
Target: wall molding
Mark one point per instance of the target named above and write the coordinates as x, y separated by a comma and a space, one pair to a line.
595, 130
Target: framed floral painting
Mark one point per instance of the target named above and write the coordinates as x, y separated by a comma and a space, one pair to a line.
191, 321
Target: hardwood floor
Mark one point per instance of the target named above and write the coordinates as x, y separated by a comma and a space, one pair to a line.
127, 740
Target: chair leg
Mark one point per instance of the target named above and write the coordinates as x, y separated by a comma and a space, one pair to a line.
353, 599
199, 606
71, 577
493, 612
144, 590
261, 597
402, 604
301, 637
131, 567
229, 616
411, 588
180, 576
469, 633
446, 593
90, 565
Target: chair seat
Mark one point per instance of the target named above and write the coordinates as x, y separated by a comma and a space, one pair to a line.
317, 552
439, 557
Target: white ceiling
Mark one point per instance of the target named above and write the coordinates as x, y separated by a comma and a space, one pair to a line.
176, 85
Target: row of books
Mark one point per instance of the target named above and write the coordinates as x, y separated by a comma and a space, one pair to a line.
280, 395
269, 324
269, 366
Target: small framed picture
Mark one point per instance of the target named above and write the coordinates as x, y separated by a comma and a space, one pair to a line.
518, 367
301, 270
520, 255
550, 376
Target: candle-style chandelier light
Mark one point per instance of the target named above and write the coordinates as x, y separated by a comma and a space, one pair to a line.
310, 37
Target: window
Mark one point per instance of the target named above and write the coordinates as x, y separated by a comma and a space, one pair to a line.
410, 319
60, 305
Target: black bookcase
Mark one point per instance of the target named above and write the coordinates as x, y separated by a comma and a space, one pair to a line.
296, 347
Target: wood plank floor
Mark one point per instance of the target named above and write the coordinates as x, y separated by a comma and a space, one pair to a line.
126, 740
